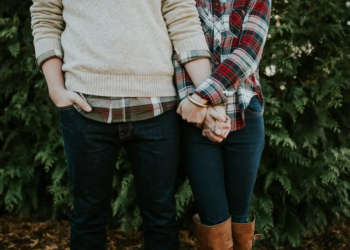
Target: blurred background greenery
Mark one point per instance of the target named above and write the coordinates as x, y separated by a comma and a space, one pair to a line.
303, 184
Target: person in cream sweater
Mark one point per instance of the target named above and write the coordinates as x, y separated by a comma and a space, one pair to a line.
108, 66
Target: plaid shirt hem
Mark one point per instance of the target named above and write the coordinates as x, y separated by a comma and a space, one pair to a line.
125, 109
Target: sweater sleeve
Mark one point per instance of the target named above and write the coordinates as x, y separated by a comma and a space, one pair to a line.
47, 26
185, 31
245, 58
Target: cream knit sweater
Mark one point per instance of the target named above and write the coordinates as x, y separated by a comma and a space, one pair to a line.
120, 48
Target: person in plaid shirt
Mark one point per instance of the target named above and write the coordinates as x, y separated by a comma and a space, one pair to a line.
222, 159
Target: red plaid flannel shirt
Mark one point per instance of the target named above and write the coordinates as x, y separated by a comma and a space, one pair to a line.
236, 32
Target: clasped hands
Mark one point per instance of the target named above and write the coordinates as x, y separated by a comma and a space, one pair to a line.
214, 121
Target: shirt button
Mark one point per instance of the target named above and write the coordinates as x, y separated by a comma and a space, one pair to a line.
216, 4
217, 63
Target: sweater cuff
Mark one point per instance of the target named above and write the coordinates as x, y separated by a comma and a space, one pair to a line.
46, 49
46, 56
47, 44
194, 43
212, 92
189, 56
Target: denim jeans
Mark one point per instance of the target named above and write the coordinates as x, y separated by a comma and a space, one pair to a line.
222, 175
92, 150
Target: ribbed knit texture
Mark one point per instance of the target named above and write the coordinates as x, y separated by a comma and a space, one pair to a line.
117, 48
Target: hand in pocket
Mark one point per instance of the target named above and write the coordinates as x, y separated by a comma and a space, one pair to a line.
63, 98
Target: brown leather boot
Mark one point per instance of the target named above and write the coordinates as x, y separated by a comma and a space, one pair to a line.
243, 235
218, 237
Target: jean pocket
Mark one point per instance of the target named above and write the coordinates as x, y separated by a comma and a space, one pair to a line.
65, 108
255, 107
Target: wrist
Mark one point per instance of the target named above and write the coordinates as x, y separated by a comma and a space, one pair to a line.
56, 90
199, 99
194, 102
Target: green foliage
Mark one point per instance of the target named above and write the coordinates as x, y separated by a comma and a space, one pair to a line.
303, 183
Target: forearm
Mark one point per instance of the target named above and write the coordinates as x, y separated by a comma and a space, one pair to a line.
198, 70
53, 74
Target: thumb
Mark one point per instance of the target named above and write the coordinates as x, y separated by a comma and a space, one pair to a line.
179, 109
81, 103
204, 132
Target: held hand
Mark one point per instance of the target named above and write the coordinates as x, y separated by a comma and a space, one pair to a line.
215, 119
226, 127
62, 98
216, 125
191, 112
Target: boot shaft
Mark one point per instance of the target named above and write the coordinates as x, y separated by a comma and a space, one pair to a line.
217, 237
243, 235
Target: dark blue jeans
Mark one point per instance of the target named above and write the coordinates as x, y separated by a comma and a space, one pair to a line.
222, 175
92, 150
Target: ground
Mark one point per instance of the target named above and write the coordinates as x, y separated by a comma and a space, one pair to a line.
21, 234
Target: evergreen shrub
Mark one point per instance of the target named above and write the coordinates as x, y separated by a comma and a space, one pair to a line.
303, 183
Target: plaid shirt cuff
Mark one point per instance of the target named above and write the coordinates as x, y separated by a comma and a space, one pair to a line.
46, 56
191, 89
188, 56
212, 92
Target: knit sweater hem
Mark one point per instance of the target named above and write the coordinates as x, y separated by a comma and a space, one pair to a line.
120, 85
